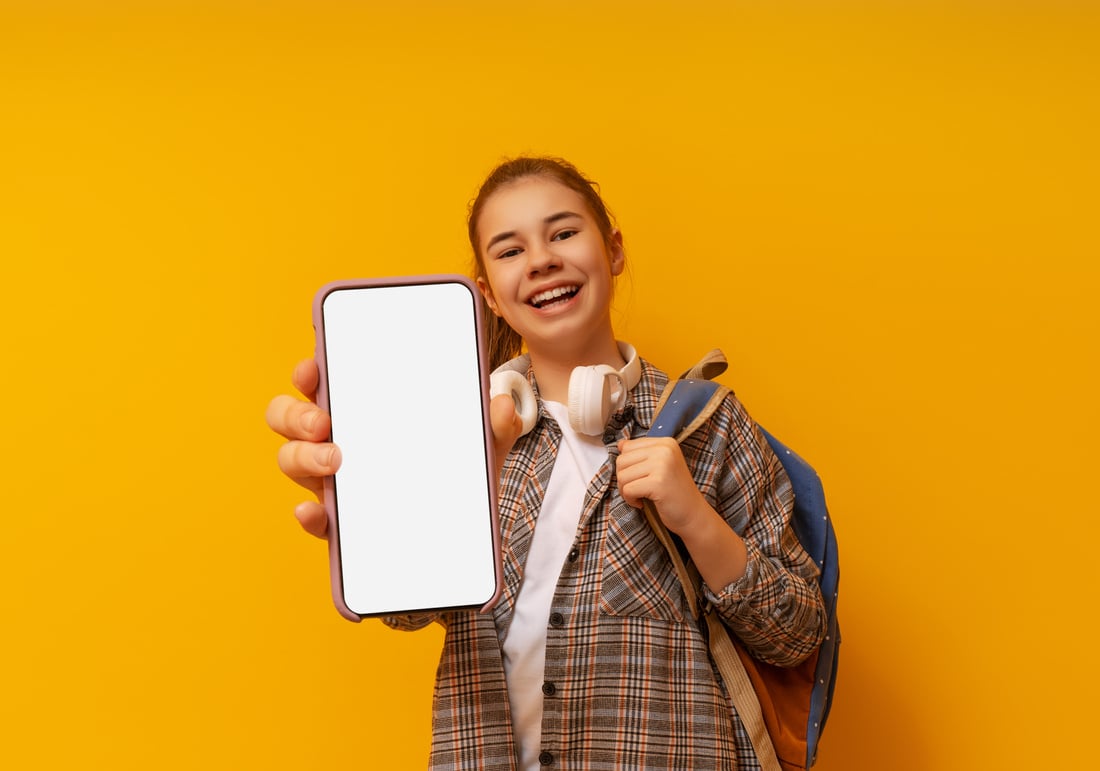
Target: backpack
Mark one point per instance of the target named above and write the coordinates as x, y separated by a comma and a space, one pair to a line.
788, 713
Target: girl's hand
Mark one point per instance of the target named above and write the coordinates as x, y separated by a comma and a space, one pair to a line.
307, 457
654, 469
507, 427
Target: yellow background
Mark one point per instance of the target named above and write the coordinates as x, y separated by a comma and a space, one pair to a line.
885, 213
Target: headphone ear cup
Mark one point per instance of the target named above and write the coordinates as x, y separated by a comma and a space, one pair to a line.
514, 384
590, 399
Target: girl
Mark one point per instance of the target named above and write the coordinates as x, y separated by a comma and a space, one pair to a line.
591, 659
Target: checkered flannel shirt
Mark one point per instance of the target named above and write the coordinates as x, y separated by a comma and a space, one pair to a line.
629, 682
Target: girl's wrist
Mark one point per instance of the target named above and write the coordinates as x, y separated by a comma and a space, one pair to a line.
698, 523
717, 550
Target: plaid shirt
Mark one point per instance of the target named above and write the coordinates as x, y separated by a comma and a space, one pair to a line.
629, 682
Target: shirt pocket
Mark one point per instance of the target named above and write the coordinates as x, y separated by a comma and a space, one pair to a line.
638, 577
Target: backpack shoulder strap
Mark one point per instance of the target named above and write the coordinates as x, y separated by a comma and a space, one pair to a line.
709, 367
685, 405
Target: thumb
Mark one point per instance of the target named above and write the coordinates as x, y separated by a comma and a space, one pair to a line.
506, 423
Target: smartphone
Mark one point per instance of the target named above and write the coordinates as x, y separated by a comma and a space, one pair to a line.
412, 510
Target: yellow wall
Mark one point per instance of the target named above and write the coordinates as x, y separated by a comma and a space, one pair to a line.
885, 213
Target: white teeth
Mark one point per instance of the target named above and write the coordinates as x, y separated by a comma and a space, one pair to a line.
551, 294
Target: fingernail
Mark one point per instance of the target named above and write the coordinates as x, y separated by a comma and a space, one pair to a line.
323, 454
309, 421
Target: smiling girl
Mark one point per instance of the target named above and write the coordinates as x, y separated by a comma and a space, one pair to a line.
591, 659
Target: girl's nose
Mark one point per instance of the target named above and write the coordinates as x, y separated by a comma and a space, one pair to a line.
540, 259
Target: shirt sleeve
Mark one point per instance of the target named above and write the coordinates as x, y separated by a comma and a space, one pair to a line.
775, 608
410, 622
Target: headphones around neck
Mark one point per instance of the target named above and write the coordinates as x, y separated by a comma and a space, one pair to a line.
595, 392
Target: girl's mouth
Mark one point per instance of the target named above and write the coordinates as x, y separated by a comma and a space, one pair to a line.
552, 297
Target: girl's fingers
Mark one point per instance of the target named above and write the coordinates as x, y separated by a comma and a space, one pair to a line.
627, 492
295, 419
306, 377
654, 469
311, 515
506, 423
306, 461
306, 458
634, 452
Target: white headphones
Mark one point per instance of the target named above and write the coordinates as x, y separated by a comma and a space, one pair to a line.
595, 392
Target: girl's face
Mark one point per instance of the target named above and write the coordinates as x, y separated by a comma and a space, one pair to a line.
547, 269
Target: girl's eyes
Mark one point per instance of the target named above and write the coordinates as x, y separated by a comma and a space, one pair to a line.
561, 235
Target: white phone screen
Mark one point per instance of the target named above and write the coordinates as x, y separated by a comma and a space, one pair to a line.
412, 497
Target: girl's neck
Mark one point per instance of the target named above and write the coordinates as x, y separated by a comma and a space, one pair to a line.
553, 368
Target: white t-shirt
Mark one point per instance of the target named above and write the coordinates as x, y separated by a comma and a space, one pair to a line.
579, 458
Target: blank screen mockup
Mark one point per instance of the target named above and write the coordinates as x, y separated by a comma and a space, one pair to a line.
413, 492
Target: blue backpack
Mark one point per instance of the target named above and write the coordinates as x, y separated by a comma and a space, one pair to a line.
786, 718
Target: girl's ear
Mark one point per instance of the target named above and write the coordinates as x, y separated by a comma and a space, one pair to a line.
616, 253
487, 293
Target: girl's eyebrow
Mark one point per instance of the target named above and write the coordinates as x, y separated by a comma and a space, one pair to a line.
562, 215
557, 217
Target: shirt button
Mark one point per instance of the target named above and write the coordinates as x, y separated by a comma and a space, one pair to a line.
549, 689
574, 554
556, 619
546, 758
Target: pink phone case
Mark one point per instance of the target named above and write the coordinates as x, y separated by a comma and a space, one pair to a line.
336, 567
